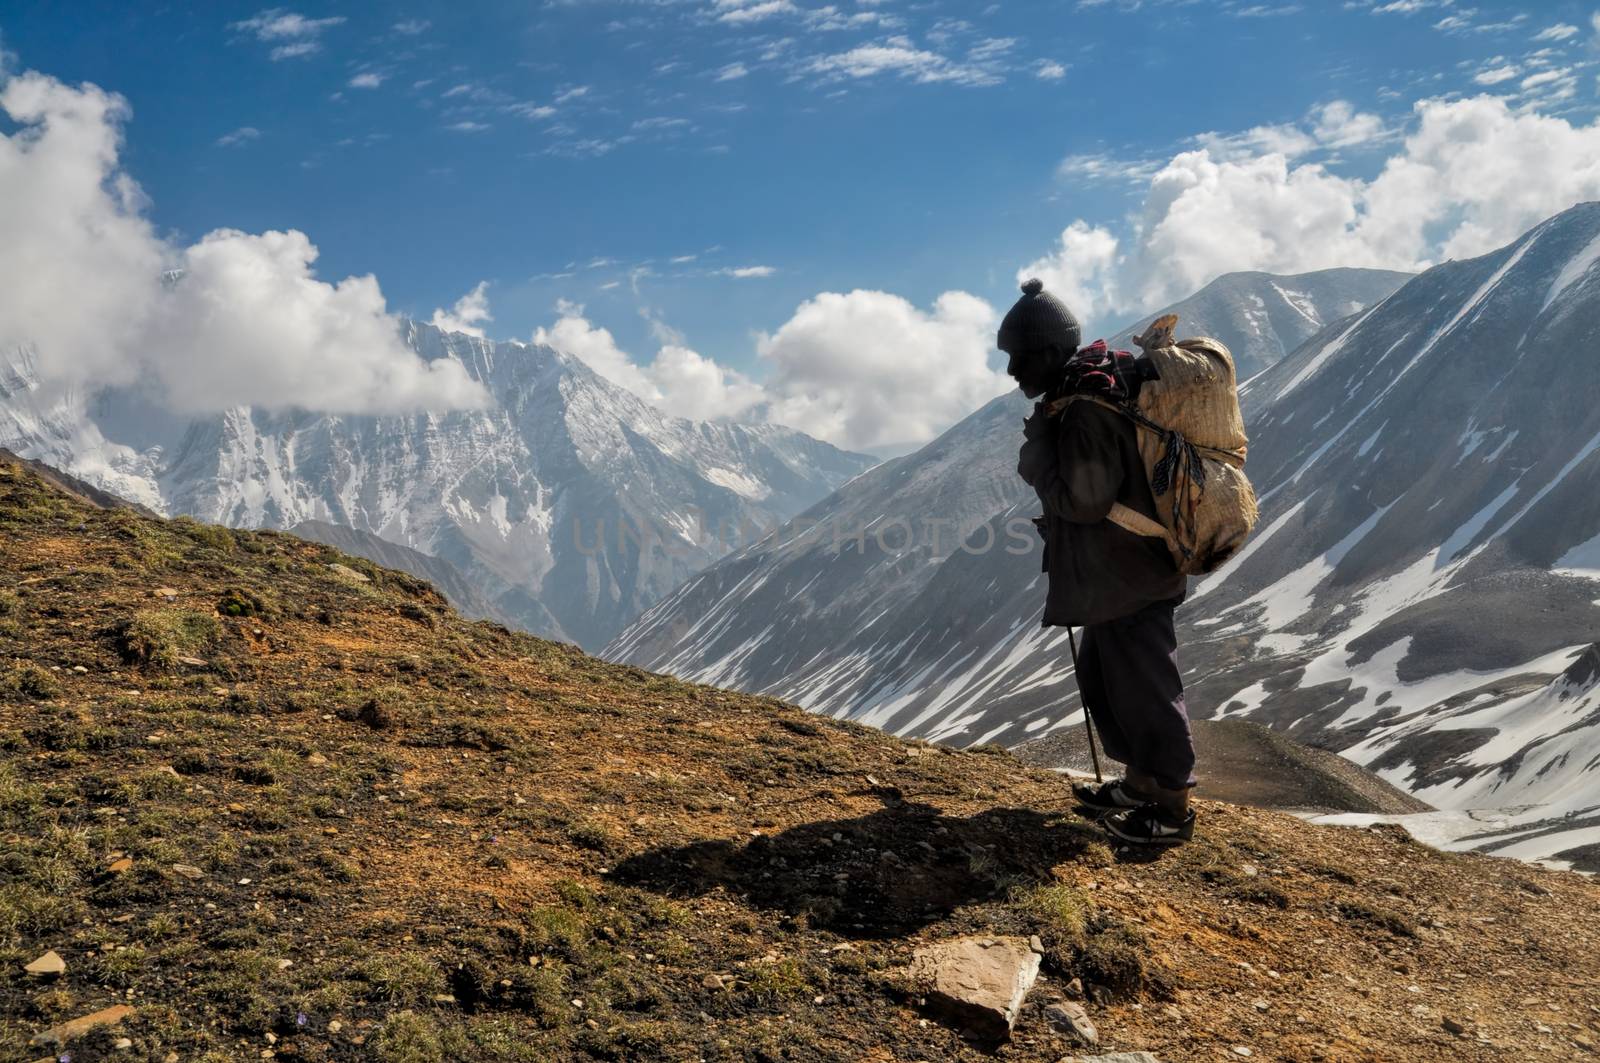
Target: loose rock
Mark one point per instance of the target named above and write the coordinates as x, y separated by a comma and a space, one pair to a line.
70, 1031
50, 965
1073, 1021
977, 982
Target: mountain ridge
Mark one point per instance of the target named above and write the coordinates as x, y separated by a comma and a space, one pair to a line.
570, 504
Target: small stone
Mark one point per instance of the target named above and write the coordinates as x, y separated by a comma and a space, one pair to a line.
443, 998
1073, 1021
284, 965
712, 981
1452, 1026
188, 871
122, 1044
80, 669
1036, 944
1242, 1050
347, 573
70, 1031
192, 662
164, 592
317, 760
1075, 989
335, 1026
50, 965
117, 867
1121, 1057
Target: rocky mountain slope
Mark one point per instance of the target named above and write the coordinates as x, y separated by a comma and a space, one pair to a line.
1424, 465
571, 505
261, 798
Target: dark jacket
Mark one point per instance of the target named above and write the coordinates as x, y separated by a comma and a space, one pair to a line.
1079, 463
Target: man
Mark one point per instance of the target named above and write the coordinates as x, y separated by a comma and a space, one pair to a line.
1121, 587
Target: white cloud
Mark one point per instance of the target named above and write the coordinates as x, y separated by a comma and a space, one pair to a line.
1559, 32
1339, 125
1049, 70
239, 137
299, 36
746, 272
1103, 167
368, 80
243, 320
739, 11
732, 72
293, 50
898, 55
863, 370
1457, 186
413, 27
469, 313
467, 127
679, 380
868, 370
1496, 75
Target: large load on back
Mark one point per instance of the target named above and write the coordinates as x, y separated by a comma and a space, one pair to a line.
1192, 440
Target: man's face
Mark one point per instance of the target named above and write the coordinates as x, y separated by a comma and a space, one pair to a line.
1033, 371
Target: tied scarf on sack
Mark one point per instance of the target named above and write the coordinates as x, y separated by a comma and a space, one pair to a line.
1097, 370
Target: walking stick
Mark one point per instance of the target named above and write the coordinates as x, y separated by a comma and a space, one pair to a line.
1088, 724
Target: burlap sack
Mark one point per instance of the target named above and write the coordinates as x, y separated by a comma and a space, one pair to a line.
1205, 503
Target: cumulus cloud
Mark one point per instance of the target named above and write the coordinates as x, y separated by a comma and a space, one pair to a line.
679, 380
1458, 185
870, 371
469, 313
103, 299
864, 370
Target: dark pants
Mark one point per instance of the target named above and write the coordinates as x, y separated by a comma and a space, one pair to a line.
1128, 673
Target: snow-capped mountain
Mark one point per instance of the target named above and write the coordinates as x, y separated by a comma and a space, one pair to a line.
899, 600
1420, 594
571, 504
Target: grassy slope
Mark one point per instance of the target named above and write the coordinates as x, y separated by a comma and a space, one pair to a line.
370, 829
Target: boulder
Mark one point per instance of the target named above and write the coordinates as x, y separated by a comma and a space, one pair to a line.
978, 983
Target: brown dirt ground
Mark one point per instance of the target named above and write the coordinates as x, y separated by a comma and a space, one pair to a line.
363, 828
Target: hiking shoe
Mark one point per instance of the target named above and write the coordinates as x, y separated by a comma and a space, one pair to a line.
1149, 825
1113, 796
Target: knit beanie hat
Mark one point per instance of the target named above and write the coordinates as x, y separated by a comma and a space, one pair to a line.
1037, 320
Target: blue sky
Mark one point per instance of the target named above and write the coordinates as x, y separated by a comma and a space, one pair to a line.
638, 157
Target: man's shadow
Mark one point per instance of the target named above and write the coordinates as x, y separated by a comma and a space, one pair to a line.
874, 876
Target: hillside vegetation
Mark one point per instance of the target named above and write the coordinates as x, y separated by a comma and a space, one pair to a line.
282, 803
